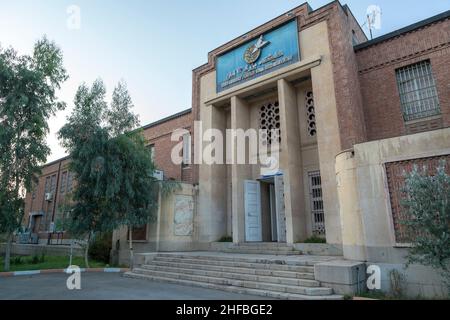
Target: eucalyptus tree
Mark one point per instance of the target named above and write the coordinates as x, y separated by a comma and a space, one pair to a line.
28, 87
112, 166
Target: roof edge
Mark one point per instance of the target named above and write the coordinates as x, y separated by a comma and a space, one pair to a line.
150, 125
171, 117
407, 29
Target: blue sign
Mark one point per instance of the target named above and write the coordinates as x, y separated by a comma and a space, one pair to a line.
269, 52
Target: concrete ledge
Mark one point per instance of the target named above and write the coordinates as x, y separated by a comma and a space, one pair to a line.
143, 258
220, 246
344, 276
319, 249
50, 271
38, 249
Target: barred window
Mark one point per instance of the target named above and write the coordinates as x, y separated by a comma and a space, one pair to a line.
418, 94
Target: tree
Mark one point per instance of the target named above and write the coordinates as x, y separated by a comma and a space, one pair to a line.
28, 86
111, 164
427, 210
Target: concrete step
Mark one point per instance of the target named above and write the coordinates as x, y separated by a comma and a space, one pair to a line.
235, 289
309, 291
240, 258
263, 245
235, 276
238, 264
284, 252
242, 270
263, 248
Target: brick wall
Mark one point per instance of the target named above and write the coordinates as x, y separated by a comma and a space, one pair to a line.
396, 181
158, 134
341, 25
377, 65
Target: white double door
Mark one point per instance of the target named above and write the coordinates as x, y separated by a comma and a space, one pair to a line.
253, 212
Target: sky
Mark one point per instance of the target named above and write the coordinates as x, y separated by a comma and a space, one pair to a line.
154, 44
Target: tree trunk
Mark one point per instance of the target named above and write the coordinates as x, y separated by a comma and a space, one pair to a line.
130, 242
8, 252
86, 251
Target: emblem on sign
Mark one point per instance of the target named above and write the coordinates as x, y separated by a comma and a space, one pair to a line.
253, 52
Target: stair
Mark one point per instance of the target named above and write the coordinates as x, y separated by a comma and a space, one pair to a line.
263, 248
241, 273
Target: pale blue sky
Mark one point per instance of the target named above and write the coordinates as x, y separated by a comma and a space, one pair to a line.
154, 45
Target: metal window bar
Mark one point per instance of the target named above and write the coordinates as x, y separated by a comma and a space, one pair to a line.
418, 94
317, 212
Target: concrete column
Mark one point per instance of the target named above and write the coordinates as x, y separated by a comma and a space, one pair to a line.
212, 210
240, 119
291, 163
350, 210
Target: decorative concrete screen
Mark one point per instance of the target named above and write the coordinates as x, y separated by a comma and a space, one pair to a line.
184, 215
270, 51
269, 119
396, 181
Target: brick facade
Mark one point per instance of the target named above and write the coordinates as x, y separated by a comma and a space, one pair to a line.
396, 181
377, 65
157, 134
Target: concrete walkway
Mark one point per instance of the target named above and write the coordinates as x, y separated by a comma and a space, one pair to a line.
104, 286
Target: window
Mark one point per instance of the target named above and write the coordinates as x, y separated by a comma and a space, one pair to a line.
269, 120
186, 149
50, 184
47, 185
418, 94
317, 212
310, 114
69, 187
53, 184
63, 182
151, 149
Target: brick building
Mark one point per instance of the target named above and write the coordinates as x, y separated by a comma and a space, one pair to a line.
351, 115
43, 205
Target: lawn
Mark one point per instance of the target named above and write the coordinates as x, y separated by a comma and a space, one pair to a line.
25, 263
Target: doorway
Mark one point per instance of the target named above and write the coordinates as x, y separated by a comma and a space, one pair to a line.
265, 219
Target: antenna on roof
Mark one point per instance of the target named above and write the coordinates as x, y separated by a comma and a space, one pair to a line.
373, 19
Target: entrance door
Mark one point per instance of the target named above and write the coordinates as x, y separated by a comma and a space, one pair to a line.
253, 219
273, 212
280, 208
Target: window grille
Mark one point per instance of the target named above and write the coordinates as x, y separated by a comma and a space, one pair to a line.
418, 94
311, 114
269, 119
317, 212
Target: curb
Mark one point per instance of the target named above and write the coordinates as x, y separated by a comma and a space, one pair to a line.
51, 271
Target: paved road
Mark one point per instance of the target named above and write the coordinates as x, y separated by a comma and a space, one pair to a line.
105, 286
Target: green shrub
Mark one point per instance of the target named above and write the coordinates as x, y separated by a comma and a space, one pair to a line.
101, 247
35, 259
226, 239
17, 260
315, 239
